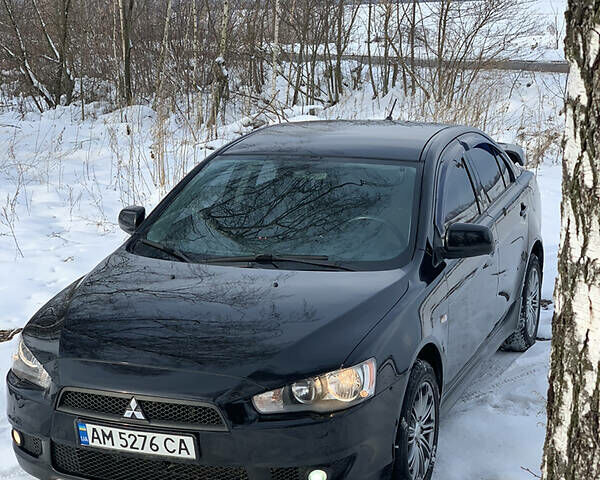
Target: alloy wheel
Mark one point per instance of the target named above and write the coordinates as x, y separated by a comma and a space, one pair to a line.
531, 301
421, 432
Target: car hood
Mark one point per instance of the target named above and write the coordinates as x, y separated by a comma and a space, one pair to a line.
257, 324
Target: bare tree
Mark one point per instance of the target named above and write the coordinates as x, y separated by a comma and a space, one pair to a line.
369, 27
162, 110
275, 64
125, 15
572, 448
220, 72
23, 60
345, 19
63, 79
123, 51
163, 51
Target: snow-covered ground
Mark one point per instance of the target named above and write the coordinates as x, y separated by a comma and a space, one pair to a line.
68, 179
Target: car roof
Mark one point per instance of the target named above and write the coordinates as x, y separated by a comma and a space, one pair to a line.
383, 139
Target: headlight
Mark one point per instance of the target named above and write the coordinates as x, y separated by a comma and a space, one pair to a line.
27, 367
325, 393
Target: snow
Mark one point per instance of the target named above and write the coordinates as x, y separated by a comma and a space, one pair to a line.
549, 180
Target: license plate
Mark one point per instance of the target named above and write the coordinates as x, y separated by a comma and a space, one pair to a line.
134, 441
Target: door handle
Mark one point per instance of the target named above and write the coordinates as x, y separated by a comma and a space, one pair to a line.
523, 210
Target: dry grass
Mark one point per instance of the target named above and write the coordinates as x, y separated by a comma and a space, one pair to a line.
8, 335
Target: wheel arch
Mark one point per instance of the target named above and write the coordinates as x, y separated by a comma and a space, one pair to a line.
431, 354
538, 251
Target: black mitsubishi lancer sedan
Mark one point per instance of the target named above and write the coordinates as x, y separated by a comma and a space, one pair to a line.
304, 305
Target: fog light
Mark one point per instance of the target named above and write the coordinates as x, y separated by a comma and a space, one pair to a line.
17, 438
317, 475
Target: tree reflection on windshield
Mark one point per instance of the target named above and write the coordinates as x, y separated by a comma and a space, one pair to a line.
352, 211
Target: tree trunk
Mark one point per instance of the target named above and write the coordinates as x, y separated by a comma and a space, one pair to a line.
339, 50
371, 75
198, 97
411, 36
67, 82
572, 449
63, 82
441, 48
275, 60
163, 54
162, 109
220, 73
37, 88
126, 10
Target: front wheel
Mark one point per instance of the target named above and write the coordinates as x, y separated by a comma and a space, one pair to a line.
530, 309
416, 441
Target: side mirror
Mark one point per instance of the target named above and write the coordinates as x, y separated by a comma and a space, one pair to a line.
465, 240
515, 153
131, 218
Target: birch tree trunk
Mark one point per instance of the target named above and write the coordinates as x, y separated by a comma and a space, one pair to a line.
572, 449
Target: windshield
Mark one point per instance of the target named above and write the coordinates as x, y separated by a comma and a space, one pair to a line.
356, 212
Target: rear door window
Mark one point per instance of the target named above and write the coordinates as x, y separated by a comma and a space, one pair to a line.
490, 176
506, 174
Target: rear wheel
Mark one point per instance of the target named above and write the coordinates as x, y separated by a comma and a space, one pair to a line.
530, 309
416, 441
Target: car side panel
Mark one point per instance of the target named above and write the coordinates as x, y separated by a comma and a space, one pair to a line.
397, 336
510, 216
534, 216
472, 305
508, 213
472, 291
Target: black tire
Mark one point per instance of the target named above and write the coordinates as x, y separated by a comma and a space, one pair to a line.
524, 338
422, 379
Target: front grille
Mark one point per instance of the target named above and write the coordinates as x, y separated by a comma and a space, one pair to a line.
157, 412
91, 402
32, 445
106, 466
285, 473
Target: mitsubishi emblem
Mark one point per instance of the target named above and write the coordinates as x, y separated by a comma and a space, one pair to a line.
134, 410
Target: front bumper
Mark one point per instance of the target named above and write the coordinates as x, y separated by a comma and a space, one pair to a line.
356, 444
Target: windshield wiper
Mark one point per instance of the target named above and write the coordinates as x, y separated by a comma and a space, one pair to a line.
168, 250
314, 260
